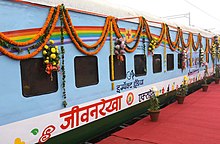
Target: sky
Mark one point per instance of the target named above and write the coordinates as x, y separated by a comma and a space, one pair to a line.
203, 14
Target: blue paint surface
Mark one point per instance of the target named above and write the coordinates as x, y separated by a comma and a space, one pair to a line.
14, 106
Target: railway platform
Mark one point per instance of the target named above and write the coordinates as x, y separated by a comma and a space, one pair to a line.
197, 121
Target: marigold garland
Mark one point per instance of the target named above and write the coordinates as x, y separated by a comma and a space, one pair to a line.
42, 38
139, 30
147, 27
173, 45
96, 47
195, 47
74, 32
8, 46
78, 46
130, 50
39, 34
149, 35
116, 28
118, 34
13, 56
165, 52
182, 39
207, 49
190, 54
162, 32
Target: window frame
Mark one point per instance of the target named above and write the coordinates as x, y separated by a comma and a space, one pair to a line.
116, 73
143, 57
160, 63
31, 80
172, 68
81, 72
179, 61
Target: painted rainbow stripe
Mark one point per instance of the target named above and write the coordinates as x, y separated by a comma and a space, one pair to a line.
27, 34
86, 33
82, 31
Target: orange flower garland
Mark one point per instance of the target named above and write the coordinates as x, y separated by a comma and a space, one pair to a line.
147, 27
134, 47
105, 30
130, 50
207, 50
139, 30
116, 28
149, 35
182, 39
160, 39
13, 56
78, 45
40, 33
198, 42
118, 34
97, 46
173, 45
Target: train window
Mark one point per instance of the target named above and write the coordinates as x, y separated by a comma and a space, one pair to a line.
140, 65
119, 68
170, 62
86, 71
179, 61
35, 81
157, 63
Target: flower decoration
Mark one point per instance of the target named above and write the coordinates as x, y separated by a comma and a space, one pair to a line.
44, 36
213, 50
217, 71
154, 101
201, 54
205, 72
18, 141
185, 80
119, 48
183, 89
152, 45
154, 89
51, 57
184, 58
218, 53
